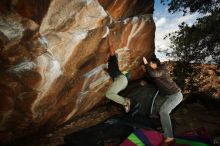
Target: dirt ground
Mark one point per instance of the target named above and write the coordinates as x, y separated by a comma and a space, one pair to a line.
195, 115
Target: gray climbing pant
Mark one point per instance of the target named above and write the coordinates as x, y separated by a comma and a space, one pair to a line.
119, 84
166, 108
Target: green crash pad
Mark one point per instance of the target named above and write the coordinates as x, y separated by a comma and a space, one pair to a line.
190, 142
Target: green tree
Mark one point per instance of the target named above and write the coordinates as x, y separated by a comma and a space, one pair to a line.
195, 44
201, 40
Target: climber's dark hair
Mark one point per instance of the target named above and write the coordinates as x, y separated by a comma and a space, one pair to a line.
156, 61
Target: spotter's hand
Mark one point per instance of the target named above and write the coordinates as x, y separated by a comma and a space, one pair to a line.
145, 60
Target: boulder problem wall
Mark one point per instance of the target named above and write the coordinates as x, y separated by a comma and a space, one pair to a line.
53, 54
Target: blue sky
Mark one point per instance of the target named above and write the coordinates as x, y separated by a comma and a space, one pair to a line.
167, 23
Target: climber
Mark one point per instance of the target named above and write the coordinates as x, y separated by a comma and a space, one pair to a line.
168, 88
120, 81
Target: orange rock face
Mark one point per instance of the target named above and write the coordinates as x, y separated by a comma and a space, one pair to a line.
53, 56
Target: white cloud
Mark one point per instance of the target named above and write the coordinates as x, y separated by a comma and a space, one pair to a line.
188, 18
166, 25
161, 21
208, 59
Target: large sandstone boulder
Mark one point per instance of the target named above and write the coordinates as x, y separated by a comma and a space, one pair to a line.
53, 54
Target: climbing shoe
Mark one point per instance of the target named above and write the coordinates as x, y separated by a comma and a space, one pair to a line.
168, 143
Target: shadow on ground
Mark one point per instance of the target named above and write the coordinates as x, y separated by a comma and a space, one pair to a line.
112, 132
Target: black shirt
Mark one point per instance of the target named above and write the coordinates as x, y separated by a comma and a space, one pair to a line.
162, 80
113, 68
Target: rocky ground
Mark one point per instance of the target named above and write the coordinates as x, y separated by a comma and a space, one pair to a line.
195, 115
187, 116
191, 114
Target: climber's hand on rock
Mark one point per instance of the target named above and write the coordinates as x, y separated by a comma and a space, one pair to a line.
111, 47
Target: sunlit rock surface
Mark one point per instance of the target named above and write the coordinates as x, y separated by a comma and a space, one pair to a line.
122, 9
53, 54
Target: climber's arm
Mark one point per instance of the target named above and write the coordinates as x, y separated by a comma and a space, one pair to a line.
111, 47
